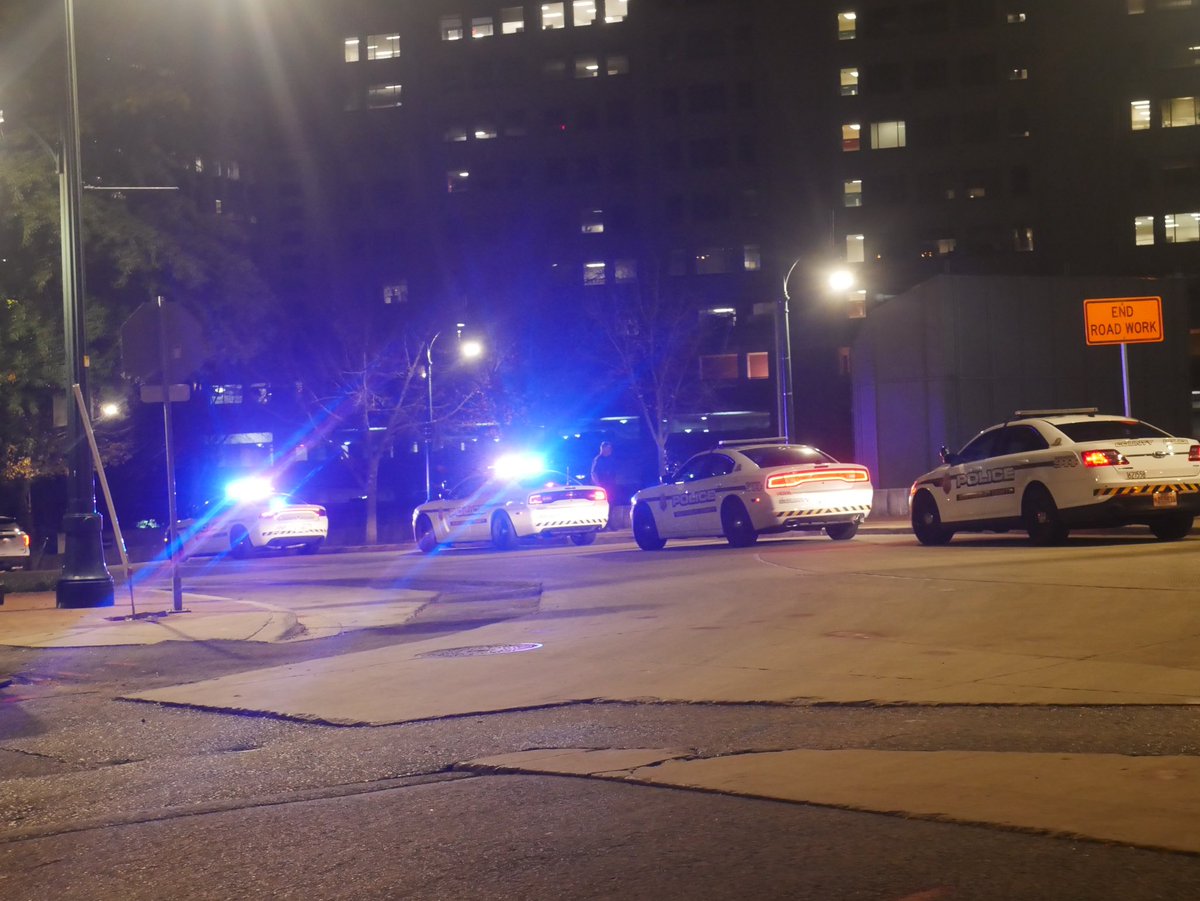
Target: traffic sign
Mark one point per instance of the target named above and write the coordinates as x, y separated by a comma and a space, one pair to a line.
1123, 320
156, 332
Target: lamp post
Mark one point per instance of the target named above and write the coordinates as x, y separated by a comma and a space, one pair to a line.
839, 281
466, 349
85, 580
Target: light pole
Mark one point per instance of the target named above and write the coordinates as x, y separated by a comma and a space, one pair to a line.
467, 350
85, 580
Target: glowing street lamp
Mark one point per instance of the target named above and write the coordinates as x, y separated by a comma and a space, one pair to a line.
468, 350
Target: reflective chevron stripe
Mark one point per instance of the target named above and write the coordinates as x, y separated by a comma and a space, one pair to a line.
821, 511
1123, 490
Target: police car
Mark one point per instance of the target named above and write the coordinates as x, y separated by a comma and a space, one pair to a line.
252, 518
1047, 471
743, 489
503, 507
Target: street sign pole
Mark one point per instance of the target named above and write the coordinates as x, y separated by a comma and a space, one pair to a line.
172, 517
1125, 377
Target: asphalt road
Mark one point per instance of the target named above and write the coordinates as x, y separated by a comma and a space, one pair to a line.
101, 798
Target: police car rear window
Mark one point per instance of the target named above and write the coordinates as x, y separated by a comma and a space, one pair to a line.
789, 455
1109, 430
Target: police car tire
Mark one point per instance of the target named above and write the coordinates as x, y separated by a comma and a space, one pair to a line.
426, 539
735, 523
841, 531
1042, 519
645, 532
582, 539
1173, 527
239, 542
927, 522
504, 536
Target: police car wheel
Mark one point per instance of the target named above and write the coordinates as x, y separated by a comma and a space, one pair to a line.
239, 543
582, 539
735, 523
927, 522
426, 539
645, 532
1173, 527
504, 536
841, 531
1042, 519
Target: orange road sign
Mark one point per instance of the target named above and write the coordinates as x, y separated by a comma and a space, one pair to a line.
1123, 320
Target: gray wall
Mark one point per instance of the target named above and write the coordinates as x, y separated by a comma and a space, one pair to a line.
955, 354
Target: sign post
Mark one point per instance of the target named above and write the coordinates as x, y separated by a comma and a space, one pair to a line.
1123, 321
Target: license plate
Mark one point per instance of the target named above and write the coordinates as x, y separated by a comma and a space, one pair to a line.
1166, 499
1133, 474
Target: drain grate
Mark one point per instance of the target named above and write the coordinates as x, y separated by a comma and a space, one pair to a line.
482, 650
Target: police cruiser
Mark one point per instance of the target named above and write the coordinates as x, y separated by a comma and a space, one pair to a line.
743, 489
1048, 471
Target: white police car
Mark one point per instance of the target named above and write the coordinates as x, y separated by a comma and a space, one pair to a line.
1047, 471
505, 506
742, 489
253, 517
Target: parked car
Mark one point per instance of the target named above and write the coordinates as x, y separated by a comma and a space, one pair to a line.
244, 527
743, 489
1048, 471
504, 509
14, 545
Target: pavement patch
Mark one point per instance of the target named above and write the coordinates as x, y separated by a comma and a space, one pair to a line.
1151, 802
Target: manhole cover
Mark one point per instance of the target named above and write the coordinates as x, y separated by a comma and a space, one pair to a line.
482, 650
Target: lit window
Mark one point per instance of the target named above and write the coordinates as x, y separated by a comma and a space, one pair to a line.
850, 136
847, 26
583, 12
1022, 239
978, 192
852, 192
397, 293
592, 222
452, 28
552, 16
454, 134
594, 273
1179, 111
1143, 230
850, 81
1018, 74
751, 258
625, 270
485, 132
1139, 114
456, 182
587, 67
198, 165
855, 249
758, 365
946, 246
512, 20
352, 50
481, 27
887, 134
1135, 7
617, 64
1182, 228
217, 207
381, 96
383, 46
1015, 18
615, 10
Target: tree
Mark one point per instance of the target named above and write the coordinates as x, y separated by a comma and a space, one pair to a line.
366, 372
655, 338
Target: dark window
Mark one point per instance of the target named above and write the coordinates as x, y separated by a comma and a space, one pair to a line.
980, 448
785, 455
1019, 181
930, 73
1020, 439
719, 465
1109, 430
705, 98
974, 13
977, 70
930, 16
885, 22
882, 78
693, 469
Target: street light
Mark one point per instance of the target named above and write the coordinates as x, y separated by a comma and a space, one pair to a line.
839, 281
468, 350
85, 580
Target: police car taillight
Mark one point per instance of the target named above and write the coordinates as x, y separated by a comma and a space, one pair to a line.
1103, 458
598, 495
1194, 453
537, 499
792, 479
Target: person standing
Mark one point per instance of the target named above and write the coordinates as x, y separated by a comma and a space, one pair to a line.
604, 474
